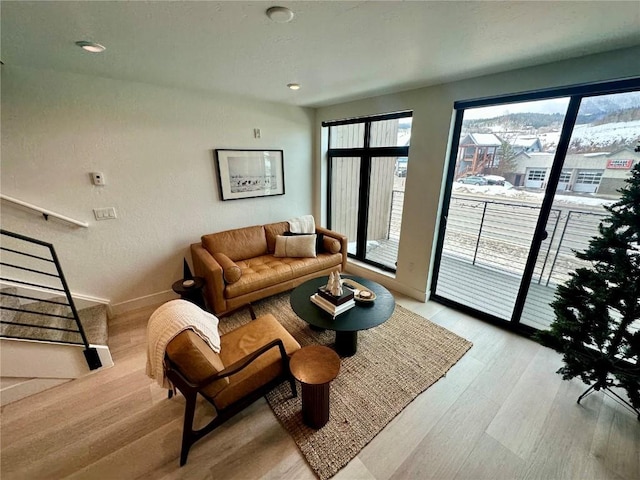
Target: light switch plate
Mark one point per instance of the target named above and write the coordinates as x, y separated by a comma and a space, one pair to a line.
108, 213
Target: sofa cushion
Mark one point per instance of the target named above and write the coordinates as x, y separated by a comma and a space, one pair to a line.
260, 272
295, 246
230, 271
245, 340
272, 230
238, 244
319, 239
306, 266
331, 245
196, 360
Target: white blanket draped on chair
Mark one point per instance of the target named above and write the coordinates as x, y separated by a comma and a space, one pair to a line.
166, 323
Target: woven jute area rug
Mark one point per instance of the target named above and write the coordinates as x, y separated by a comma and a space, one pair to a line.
395, 362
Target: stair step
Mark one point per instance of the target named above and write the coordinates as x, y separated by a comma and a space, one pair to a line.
93, 320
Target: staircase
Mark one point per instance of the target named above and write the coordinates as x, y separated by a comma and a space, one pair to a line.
45, 339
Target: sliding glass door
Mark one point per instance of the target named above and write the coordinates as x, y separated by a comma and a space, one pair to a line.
526, 188
492, 216
598, 160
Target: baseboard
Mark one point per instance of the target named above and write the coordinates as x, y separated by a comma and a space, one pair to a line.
142, 302
386, 279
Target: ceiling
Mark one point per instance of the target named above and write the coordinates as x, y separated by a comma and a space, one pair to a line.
336, 50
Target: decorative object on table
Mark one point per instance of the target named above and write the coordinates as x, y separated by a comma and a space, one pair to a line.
420, 349
250, 173
362, 294
597, 309
335, 300
335, 284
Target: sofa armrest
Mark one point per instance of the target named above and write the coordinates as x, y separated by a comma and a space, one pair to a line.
205, 266
341, 238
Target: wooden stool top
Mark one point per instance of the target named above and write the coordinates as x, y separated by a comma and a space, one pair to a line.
315, 365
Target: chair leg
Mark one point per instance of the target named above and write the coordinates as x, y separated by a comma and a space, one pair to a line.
187, 429
292, 382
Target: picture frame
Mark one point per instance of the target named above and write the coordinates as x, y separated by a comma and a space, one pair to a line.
250, 173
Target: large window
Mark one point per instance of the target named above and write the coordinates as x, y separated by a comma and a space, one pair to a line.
368, 160
509, 235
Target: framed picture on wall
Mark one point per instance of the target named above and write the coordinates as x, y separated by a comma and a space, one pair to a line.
250, 173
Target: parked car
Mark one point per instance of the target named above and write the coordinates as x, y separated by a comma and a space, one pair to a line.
494, 179
473, 180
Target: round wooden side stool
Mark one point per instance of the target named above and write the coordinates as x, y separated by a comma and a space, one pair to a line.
315, 366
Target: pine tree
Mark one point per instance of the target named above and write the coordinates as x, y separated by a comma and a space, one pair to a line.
597, 325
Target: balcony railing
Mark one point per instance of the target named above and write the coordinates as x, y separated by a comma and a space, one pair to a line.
498, 235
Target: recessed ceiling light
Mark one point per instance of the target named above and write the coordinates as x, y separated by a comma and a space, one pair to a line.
280, 14
293, 86
91, 46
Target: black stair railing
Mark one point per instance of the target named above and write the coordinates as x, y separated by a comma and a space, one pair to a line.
34, 263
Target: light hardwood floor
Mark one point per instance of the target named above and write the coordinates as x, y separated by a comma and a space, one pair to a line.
500, 413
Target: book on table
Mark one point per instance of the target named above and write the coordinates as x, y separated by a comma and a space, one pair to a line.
330, 308
347, 294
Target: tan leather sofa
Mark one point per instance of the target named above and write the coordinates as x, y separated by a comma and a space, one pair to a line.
239, 265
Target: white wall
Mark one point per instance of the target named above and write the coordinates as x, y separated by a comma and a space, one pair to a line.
432, 123
155, 147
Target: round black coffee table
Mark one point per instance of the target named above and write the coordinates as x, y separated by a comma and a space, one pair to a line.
347, 324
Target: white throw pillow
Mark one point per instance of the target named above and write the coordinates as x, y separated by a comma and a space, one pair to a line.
296, 246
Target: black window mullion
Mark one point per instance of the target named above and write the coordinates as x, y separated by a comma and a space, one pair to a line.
552, 184
374, 152
363, 201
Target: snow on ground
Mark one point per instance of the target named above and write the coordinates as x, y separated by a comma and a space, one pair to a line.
528, 196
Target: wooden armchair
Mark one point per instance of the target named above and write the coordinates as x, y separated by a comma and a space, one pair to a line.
253, 359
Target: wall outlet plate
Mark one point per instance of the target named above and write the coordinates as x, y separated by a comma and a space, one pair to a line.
97, 178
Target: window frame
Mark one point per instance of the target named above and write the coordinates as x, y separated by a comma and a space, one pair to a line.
576, 93
366, 154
